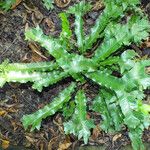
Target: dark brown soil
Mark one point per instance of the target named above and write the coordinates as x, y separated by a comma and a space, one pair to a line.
18, 99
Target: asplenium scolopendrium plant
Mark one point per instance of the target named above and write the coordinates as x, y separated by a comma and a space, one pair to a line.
48, 4
6, 4
120, 99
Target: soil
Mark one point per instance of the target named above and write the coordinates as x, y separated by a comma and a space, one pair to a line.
20, 99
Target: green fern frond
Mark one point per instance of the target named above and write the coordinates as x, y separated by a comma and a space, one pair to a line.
48, 4
68, 109
135, 120
104, 79
79, 10
38, 66
127, 103
20, 76
124, 3
6, 4
136, 138
107, 105
34, 120
127, 60
136, 134
117, 35
52, 45
69, 62
49, 79
66, 32
110, 61
139, 29
138, 76
113, 10
79, 125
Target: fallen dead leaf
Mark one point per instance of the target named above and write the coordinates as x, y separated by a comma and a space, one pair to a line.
12, 110
38, 14
9, 105
37, 55
88, 116
101, 141
60, 127
26, 58
29, 7
65, 145
52, 142
15, 125
148, 70
50, 24
96, 132
147, 43
98, 5
41, 146
16, 4
2, 12
37, 17
31, 140
62, 3
2, 112
14, 97
117, 136
5, 144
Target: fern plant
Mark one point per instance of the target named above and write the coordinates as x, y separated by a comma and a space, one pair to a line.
48, 4
120, 99
6, 4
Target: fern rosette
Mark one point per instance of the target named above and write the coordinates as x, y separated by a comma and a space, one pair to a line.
120, 98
